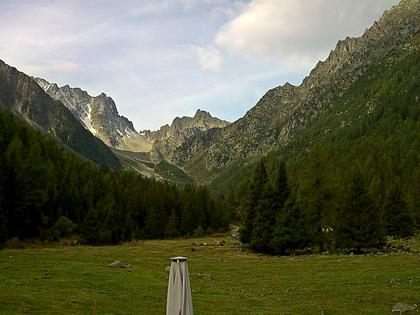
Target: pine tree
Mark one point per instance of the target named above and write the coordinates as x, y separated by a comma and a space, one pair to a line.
314, 197
155, 224
255, 192
281, 187
290, 231
398, 220
358, 221
90, 230
172, 230
263, 223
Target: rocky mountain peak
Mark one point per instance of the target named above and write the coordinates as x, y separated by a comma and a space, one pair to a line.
170, 137
202, 114
286, 110
99, 115
21, 95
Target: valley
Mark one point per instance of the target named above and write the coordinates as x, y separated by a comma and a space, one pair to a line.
76, 279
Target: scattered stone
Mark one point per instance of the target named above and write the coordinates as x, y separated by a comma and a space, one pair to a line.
403, 307
118, 264
235, 232
394, 281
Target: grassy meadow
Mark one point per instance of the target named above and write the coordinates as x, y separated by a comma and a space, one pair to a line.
76, 280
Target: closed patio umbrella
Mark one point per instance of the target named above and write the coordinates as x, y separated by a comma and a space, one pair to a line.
179, 301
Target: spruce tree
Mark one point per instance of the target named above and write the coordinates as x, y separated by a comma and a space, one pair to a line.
314, 198
358, 222
90, 229
155, 224
264, 221
398, 220
281, 186
290, 231
256, 188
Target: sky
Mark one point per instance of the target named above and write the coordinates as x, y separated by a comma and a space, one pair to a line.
159, 59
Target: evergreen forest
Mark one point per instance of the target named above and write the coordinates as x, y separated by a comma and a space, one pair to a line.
47, 192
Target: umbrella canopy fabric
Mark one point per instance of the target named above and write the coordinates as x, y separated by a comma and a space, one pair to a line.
179, 300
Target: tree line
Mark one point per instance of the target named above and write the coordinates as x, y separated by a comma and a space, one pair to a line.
353, 174
278, 220
47, 191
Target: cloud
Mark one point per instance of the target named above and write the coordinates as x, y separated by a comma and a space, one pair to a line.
209, 58
221, 55
296, 29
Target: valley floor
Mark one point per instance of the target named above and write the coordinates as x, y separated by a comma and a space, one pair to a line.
76, 280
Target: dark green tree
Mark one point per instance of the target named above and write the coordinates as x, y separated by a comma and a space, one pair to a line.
358, 221
155, 224
264, 221
314, 198
281, 186
290, 231
397, 217
90, 231
256, 188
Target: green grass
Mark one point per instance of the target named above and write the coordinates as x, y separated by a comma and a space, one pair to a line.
173, 173
70, 280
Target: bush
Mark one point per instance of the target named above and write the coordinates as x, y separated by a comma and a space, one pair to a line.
64, 226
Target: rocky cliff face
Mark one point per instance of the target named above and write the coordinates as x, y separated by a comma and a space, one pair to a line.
285, 111
20, 94
99, 115
168, 139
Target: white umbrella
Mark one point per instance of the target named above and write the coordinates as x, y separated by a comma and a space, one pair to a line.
179, 301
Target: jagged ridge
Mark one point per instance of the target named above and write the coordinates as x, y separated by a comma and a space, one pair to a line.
20, 94
285, 111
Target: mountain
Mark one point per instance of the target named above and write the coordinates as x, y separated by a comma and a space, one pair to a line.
21, 95
99, 115
139, 151
168, 139
47, 192
285, 111
158, 161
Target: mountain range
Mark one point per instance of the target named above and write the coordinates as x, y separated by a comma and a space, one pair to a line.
205, 149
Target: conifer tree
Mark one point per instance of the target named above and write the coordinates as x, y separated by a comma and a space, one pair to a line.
91, 229
358, 221
256, 188
290, 231
263, 223
155, 224
398, 220
314, 198
281, 187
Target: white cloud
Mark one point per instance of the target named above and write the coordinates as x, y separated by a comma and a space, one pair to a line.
296, 29
209, 58
221, 55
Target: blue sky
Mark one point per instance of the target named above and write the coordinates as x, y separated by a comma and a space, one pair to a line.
165, 58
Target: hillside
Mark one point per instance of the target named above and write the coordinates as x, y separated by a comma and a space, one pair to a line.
99, 115
21, 95
286, 111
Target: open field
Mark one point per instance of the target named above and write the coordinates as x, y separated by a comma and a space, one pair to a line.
75, 280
